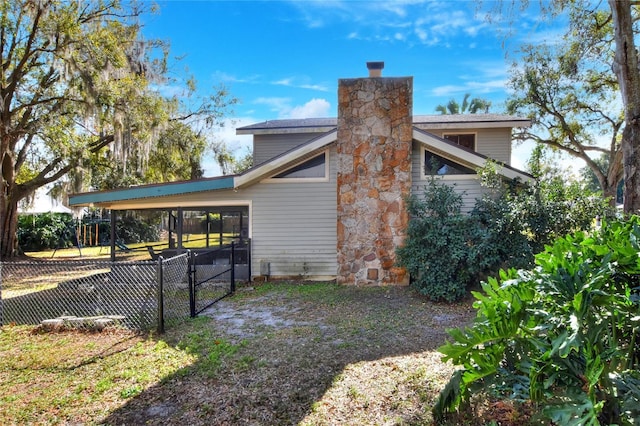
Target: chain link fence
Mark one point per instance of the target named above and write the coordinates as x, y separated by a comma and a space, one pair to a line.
94, 294
88, 294
173, 278
79, 293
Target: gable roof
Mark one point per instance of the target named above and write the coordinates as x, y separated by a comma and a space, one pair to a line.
440, 121
127, 197
283, 161
465, 156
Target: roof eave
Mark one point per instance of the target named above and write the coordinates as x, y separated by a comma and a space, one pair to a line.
472, 125
278, 163
116, 197
283, 130
467, 158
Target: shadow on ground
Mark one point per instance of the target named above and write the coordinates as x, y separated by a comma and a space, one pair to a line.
308, 354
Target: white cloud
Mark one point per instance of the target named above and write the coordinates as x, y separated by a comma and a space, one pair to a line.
275, 104
230, 78
314, 108
520, 154
283, 82
282, 107
479, 77
300, 83
170, 90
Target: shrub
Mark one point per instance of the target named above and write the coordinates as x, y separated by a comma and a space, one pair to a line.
447, 251
436, 250
564, 334
130, 229
45, 231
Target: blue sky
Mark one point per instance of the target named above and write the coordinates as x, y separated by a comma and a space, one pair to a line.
283, 59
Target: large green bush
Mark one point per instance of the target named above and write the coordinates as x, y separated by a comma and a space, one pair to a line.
45, 231
564, 334
436, 253
447, 251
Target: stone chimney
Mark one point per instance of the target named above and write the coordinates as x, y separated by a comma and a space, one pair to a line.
374, 176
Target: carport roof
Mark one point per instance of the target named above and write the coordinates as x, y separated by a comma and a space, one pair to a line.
113, 197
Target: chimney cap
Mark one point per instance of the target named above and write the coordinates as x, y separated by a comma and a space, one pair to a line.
375, 68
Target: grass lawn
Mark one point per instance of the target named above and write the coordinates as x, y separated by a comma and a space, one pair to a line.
138, 250
273, 354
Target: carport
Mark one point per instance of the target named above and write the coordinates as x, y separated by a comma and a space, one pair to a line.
216, 222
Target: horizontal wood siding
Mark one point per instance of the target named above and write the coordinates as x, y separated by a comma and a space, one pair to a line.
265, 147
470, 188
294, 226
494, 143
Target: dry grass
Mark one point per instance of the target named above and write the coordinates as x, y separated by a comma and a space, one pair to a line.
277, 354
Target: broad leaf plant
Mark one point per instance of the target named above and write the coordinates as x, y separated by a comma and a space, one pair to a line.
563, 335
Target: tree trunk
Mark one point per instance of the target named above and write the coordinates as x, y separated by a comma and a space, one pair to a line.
631, 164
628, 74
610, 192
9, 222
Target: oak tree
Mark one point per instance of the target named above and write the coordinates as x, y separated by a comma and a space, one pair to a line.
625, 64
75, 93
570, 99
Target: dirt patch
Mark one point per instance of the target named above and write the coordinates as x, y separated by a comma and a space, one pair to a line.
255, 317
310, 355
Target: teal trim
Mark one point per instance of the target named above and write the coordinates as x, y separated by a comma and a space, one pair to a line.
150, 191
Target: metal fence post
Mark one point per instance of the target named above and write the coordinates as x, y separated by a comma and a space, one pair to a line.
160, 274
192, 284
233, 267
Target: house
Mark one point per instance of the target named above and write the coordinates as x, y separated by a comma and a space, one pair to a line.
326, 197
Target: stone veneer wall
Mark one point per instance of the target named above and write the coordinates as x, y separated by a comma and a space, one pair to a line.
374, 177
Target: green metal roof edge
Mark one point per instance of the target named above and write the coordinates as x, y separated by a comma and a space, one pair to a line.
150, 191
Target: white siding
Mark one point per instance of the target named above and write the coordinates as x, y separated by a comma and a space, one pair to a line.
265, 147
493, 143
294, 226
469, 187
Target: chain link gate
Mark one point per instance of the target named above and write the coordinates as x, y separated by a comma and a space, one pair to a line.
212, 277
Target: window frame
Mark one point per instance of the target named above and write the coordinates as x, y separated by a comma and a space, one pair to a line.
273, 179
425, 176
475, 138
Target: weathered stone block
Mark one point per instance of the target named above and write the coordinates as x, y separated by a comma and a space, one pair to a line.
374, 161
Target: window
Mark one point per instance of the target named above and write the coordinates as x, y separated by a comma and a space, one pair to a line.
467, 140
435, 165
313, 168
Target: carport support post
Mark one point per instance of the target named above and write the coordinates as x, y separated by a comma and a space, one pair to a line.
180, 223
1, 318
233, 267
113, 235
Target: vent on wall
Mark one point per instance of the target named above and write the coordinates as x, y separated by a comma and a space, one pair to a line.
265, 268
